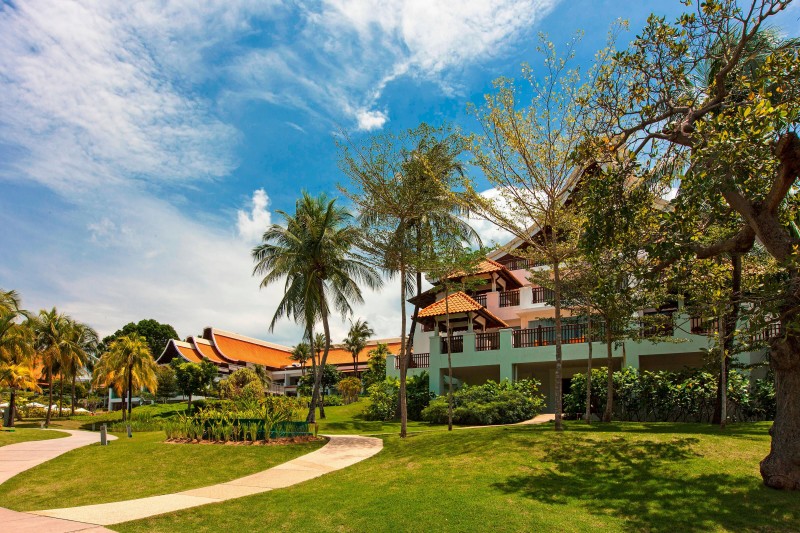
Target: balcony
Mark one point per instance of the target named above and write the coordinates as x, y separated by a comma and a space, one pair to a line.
481, 299
518, 263
509, 298
546, 335
457, 345
418, 360
487, 341
540, 295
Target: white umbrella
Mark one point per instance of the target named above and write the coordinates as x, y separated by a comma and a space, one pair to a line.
81, 410
34, 404
4, 404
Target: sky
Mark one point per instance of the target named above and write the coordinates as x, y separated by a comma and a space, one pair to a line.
145, 146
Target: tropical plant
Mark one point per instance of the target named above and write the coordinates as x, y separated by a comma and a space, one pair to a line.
349, 389
53, 340
490, 403
404, 189
167, 385
155, 333
301, 353
84, 341
314, 255
356, 340
127, 365
376, 365
242, 386
193, 378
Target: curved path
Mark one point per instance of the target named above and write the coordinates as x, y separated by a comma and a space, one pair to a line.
340, 452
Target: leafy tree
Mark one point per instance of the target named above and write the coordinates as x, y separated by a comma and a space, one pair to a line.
376, 365
403, 186
328, 379
16, 351
313, 255
127, 365
84, 341
349, 389
155, 333
167, 384
732, 148
301, 353
193, 378
356, 340
528, 154
243, 385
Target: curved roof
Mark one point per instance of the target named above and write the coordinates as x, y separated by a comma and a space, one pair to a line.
206, 349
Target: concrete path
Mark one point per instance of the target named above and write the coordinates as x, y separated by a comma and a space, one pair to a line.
16, 458
340, 452
14, 522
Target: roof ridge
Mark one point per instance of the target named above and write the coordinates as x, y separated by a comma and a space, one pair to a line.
251, 340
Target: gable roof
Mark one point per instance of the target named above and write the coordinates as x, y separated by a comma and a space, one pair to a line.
459, 302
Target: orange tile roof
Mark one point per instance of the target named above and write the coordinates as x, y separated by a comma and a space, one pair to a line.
486, 266
187, 351
205, 349
338, 355
239, 348
458, 302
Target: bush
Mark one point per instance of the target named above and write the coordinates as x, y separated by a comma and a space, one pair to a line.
349, 389
418, 395
670, 396
385, 395
490, 403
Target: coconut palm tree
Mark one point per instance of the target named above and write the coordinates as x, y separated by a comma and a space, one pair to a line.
16, 361
74, 360
356, 340
301, 353
127, 365
313, 254
52, 340
9, 301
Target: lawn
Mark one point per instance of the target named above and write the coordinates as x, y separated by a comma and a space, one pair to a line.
349, 419
24, 434
134, 468
618, 477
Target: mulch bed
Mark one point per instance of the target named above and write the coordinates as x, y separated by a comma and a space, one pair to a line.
273, 442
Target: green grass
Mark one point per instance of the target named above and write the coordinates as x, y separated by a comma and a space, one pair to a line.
89, 422
134, 468
24, 434
349, 419
618, 477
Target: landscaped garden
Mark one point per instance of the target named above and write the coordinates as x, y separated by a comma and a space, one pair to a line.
622, 476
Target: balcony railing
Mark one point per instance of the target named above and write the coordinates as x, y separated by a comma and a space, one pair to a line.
541, 295
772, 331
487, 341
702, 326
509, 298
418, 360
481, 299
546, 335
457, 345
518, 263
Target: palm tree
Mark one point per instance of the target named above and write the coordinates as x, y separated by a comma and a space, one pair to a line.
9, 301
356, 340
52, 340
313, 253
128, 364
16, 361
301, 353
84, 342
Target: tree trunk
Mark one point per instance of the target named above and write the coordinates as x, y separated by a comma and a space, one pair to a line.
723, 376
72, 404
404, 352
559, 426
324, 360
50, 395
130, 392
610, 384
449, 361
60, 392
732, 318
781, 468
12, 406
189, 404
312, 408
589, 371
411, 332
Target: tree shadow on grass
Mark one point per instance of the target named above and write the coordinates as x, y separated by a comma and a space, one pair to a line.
650, 485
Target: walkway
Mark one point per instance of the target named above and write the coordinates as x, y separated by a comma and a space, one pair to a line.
340, 452
16, 458
14, 522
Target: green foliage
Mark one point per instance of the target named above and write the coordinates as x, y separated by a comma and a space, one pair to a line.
167, 384
418, 395
243, 386
156, 335
671, 396
330, 377
376, 365
490, 403
193, 378
349, 389
384, 397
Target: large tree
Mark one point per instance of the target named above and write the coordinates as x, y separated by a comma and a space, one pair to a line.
313, 255
356, 340
156, 334
403, 186
53, 340
733, 138
17, 370
128, 365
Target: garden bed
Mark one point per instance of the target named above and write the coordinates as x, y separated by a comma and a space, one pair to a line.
280, 441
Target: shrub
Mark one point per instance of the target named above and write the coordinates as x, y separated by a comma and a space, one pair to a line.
349, 389
418, 395
490, 403
670, 396
243, 385
383, 400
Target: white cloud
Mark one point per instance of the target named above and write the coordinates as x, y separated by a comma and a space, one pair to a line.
252, 225
371, 120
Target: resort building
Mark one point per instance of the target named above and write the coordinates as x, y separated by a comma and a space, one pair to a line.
231, 351
504, 329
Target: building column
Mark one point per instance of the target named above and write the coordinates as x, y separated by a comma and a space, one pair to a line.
506, 370
631, 355
435, 379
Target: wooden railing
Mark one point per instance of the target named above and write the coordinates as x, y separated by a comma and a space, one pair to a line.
487, 341
546, 335
541, 295
481, 299
772, 331
509, 298
457, 345
702, 326
418, 360
518, 263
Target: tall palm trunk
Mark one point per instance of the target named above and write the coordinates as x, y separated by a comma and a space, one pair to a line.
403, 351
50, 395
610, 384
559, 425
312, 408
318, 377
130, 391
60, 392
449, 361
589, 371
12, 407
72, 403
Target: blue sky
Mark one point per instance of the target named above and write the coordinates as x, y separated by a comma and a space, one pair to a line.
143, 148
